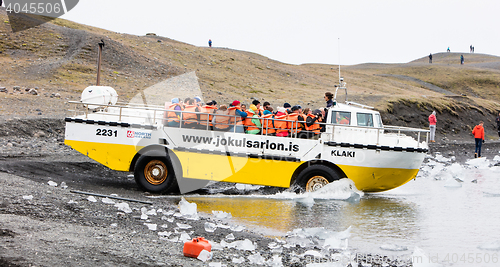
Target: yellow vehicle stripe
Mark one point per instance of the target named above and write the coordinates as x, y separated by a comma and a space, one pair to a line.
114, 156
370, 179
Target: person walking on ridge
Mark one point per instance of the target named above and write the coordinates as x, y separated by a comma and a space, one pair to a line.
432, 127
461, 59
430, 58
209, 42
498, 124
478, 133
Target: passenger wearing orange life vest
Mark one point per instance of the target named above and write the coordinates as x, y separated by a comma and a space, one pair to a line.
252, 121
190, 120
206, 117
312, 127
171, 117
259, 110
236, 121
296, 123
279, 124
268, 121
221, 119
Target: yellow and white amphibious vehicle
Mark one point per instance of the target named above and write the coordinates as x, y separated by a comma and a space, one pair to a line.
169, 151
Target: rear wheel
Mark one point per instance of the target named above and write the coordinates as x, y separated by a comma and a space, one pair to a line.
156, 175
315, 177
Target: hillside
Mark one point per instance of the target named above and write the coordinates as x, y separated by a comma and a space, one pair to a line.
59, 59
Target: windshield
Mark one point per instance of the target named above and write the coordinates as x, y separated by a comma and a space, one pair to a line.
341, 117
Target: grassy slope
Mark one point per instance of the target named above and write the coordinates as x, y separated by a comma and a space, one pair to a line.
60, 57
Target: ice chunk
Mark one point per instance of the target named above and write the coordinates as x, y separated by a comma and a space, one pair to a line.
164, 234
123, 207
221, 214
327, 264
91, 199
169, 213
72, 202
342, 189
215, 245
393, 247
276, 261
494, 246
238, 260
480, 163
174, 239
183, 226
151, 212
256, 259
52, 183
170, 220
151, 226
144, 216
420, 259
496, 158
230, 236
184, 237
108, 201
237, 228
273, 245
30, 197
204, 255
114, 225
164, 226
298, 241
144, 210
223, 226
63, 185
210, 227
215, 264
440, 158
245, 245
247, 187
188, 210
452, 182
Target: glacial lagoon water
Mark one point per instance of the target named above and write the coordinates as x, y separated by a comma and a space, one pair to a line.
450, 212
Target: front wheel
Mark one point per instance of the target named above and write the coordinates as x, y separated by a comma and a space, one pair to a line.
155, 174
315, 177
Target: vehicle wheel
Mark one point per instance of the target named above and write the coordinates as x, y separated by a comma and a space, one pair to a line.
315, 177
155, 174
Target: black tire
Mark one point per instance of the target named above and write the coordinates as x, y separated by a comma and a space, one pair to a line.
155, 174
314, 177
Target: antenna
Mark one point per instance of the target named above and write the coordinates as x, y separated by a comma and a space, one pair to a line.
339, 57
341, 84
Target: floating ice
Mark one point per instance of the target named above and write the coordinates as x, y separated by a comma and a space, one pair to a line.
237, 228
30, 197
496, 158
144, 216
204, 256
495, 246
123, 207
238, 260
393, 247
221, 214
164, 226
108, 201
256, 259
215, 264
247, 187
63, 185
183, 226
164, 234
210, 227
420, 259
52, 183
240, 245
452, 182
114, 225
480, 163
188, 210
275, 261
184, 237
230, 236
151, 226
91, 199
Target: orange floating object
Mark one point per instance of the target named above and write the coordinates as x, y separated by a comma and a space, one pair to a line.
194, 247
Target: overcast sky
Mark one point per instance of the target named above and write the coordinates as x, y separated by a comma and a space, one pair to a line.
392, 31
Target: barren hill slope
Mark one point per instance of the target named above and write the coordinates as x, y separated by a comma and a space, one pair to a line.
60, 57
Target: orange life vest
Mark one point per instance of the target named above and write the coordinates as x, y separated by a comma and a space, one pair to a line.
294, 125
206, 111
268, 124
281, 126
171, 115
190, 118
316, 127
250, 125
232, 112
221, 122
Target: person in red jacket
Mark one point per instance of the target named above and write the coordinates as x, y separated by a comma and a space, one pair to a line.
478, 133
432, 126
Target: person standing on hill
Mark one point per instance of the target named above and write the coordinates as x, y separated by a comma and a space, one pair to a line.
209, 42
430, 58
461, 59
498, 124
432, 126
478, 133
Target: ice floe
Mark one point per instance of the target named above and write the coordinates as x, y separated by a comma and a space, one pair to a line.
221, 214
210, 227
30, 197
123, 207
52, 183
91, 199
188, 210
